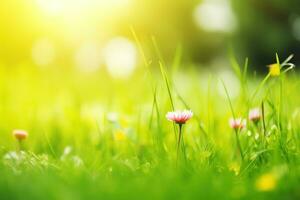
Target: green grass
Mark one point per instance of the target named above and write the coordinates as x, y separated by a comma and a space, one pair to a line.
92, 137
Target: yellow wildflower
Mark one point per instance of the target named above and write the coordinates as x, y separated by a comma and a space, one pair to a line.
266, 182
234, 167
119, 135
274, 69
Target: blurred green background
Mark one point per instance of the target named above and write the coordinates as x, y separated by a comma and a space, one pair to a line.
73, 76
89, 34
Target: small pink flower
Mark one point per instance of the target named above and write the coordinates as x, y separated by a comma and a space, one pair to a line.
254, 115
238, 123
179, 117
20, 134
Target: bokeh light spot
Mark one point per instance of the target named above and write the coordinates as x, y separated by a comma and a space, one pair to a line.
215, 15
43, 52
120, 57
88, 57
51, 7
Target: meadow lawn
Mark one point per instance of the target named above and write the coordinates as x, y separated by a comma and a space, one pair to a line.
94, 137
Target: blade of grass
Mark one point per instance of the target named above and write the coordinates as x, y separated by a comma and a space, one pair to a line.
157, 50
177, 59
280, 96
141, 50
49, 145
244, 83
154, 88
241, 74
165, 77
245, 71
263, 117
235, 66
258, 88
235, 130
228, 98
209, 105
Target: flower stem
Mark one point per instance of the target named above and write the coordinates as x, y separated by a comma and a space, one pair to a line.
263, 117
20, 146
239, 145
179, 140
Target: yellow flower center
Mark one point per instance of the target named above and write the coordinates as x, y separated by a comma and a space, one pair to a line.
274, 69
266, 182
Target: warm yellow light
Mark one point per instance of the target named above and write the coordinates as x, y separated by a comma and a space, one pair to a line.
76, 21
88, 57
120, 56
51, 7
58, 7
215, 15
43, 52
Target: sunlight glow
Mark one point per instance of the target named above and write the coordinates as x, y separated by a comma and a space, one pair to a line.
43, 52
120, 57
88, 57
58, 7
51, 7
215, 15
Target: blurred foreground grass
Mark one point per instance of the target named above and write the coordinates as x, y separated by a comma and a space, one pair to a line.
93, 137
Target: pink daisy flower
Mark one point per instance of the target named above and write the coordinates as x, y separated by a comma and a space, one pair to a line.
238, 123
20, 134
254, 114
179, 117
